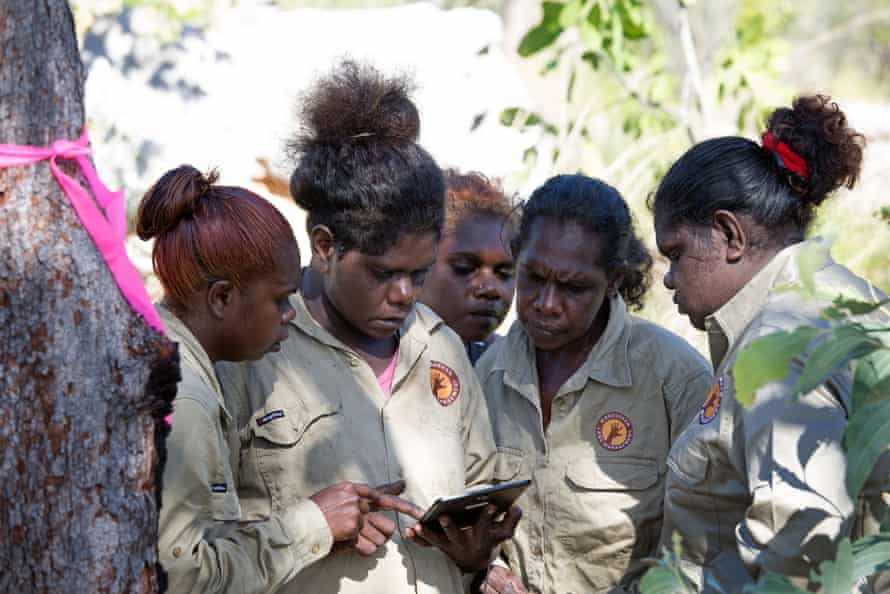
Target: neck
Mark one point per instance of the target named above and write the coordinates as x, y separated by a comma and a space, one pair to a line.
200, 325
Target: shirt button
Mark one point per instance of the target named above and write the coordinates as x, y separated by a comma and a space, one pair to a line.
177, 551
353, 362
316, 549
537, 552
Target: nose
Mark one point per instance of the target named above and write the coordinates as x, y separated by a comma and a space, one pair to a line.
485, 287
545, 300
403, 291
669, 279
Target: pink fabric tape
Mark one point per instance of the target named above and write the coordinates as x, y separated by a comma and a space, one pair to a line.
108, 231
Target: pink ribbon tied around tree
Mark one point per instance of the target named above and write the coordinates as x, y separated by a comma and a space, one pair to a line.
108, 230
784, 155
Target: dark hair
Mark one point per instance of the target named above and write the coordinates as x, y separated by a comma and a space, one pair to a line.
360, 170
472, 193
599, 207
739, 175
205, 232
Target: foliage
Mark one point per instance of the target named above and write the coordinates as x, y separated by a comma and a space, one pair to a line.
850, 336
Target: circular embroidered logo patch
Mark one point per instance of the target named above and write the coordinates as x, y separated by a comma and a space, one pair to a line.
614, 431
712, 403
444, 383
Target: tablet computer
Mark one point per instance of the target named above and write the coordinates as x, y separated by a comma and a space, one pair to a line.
464, 509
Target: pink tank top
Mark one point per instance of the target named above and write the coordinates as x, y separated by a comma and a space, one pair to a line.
385, 378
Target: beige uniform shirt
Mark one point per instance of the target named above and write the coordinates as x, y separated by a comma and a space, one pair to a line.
763, 488
314, 415
202, 546
594, 508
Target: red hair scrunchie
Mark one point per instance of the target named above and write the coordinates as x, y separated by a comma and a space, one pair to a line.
787, 158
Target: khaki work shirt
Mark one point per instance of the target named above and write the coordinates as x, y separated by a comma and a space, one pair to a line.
314, 415
763, 489
593, 510
202, 546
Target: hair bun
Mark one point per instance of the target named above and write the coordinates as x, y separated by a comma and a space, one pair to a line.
171, 199
356, 104
816, 129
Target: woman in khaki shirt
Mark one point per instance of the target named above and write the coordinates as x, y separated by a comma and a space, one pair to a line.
228, 300
761, 489
585, 399
471, 284
370, 386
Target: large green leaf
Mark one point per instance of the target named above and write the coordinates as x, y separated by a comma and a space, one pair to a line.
667, 577
843, 344
866, 437
772, 583
844, 305
768, 359
545, 33
810, 259
871, 555
871, 381
836, 576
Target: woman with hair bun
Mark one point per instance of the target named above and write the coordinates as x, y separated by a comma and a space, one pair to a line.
585, 398
371, 385
471, 285
228, 261
759, 489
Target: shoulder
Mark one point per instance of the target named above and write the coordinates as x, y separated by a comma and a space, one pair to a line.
194, 387
493, 360
669, 355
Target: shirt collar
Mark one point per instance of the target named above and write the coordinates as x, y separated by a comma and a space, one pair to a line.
608, 361
190, 349
727, 324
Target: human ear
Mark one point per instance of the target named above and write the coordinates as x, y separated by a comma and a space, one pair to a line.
221, 295
730, 229
324, 249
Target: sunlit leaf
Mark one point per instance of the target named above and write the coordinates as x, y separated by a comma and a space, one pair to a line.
771, 583
667, 577
871, 380
571, 13
842, 345
768, 359
545, 33
836, 576
810, 259
865, 439
871, 555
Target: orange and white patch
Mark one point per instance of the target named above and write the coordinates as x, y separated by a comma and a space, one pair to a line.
711, 406
614, 431
444, 383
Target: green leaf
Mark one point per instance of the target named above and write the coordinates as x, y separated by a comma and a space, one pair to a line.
617, 40
592, 58
768, 359
571, 13
841, 345
856, 307
632, 21
810, 259
836, 576
871, 555
667, 577
865, 439
771, 583
871, 380
543, 35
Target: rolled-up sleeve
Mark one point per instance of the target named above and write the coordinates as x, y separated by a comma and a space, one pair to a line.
203, 547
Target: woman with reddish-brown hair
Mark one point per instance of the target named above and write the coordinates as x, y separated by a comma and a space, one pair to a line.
472, 282
229, 263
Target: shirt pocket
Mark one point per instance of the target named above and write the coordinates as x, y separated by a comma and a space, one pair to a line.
687, 462
609, 510
285, 445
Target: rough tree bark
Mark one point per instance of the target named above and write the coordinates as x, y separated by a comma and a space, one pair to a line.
83, 380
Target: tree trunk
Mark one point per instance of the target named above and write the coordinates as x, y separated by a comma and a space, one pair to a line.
83, 380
